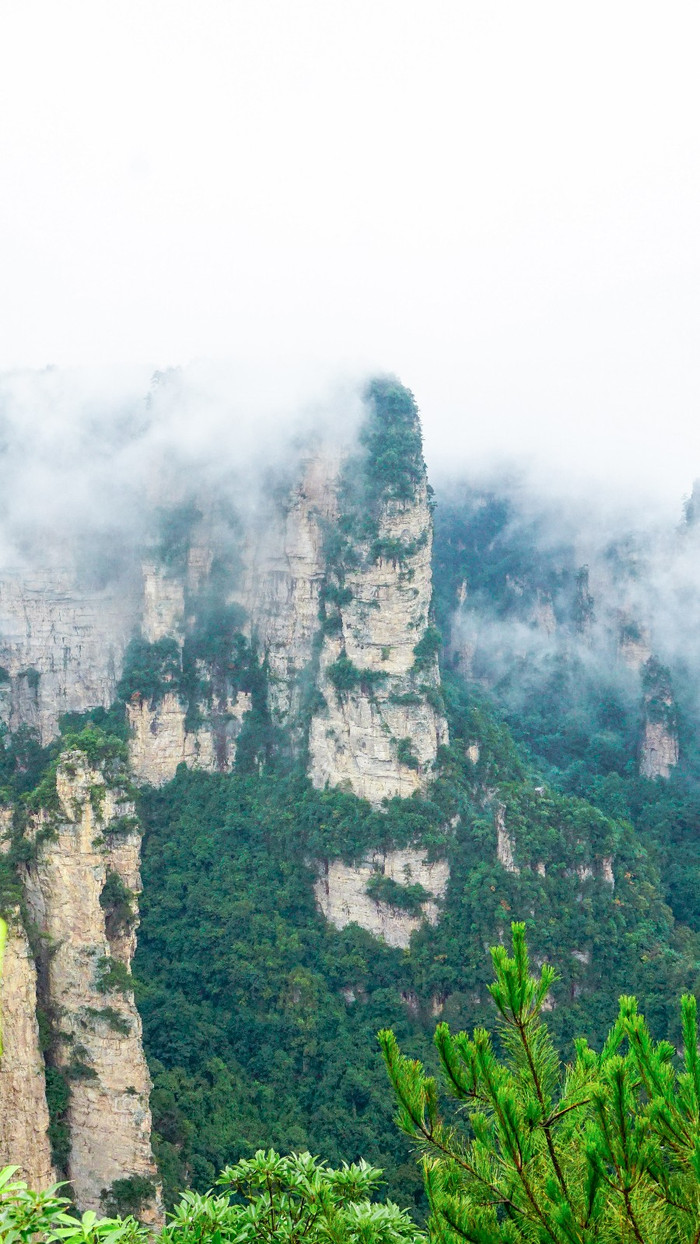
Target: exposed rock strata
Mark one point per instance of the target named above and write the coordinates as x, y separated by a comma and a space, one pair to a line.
163, 603
341, 893
159, 740
284, 573
505, 843
24, 1115
356, 739
98, 1037
63, 647
659, 750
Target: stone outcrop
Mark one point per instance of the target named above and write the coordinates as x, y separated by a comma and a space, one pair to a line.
659, 750
381, 737
505, 845
285, 568
163, 612
379, 741
159, 739
97, 1030
634, 644
341, 893
62, 649
61, 645
24, 1115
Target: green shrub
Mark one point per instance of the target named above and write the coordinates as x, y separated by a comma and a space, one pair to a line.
112, 974
128, 1196
58, 1100
176, 525
409, 897
266, 1199
346, 676
427, 648
406, 755
113, 1018
117, 902
32, 676
150, 669
122, 825
391, 437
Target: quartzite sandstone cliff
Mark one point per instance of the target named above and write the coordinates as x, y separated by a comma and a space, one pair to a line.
96, 1039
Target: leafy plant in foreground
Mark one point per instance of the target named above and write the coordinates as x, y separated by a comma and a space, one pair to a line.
606, 1149
27, 1216
267, 1199
295, 1198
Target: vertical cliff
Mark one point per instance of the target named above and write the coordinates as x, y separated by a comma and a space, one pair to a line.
378, 721
303, 625
24, 1116
359, 895
334, 588
61, 646
283, 578
81, 889
380, 725
275, 584
659, 750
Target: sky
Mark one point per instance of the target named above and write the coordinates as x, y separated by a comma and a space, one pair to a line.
497, 201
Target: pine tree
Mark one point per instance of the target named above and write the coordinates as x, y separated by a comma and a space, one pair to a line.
604, 1149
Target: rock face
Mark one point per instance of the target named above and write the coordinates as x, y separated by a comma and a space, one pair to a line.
61, 647
160, 741
97, 1030
659, 750
380, 737
163, 603
341, 893
505, 845
285, 567
658, 753
24, 1115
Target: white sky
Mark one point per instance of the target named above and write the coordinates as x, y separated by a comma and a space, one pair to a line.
498, 200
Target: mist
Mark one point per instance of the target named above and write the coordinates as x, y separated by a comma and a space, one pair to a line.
498, 204
90, 457
596, 581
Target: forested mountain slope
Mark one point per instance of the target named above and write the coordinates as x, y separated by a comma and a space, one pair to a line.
344, 791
